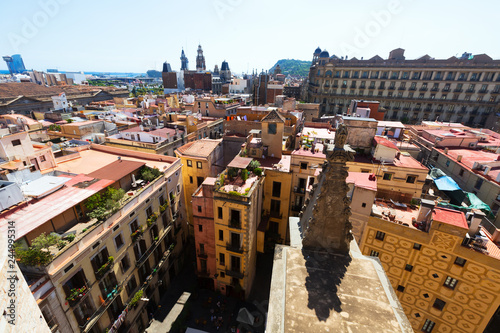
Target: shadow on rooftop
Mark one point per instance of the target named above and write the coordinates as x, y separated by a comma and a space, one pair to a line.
326, 271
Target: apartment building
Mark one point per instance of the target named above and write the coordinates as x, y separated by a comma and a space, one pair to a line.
115, 255
214, 107
464, 89
200, 159
443, 265
237, 214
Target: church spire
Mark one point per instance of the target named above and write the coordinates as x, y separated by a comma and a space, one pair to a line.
325, 219
184, 61
200, 60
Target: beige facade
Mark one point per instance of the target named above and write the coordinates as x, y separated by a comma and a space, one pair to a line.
136, 249
464, 89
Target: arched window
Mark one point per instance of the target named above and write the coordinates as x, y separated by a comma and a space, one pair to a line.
328, 74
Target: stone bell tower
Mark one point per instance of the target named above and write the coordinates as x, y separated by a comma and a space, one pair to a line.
325, 218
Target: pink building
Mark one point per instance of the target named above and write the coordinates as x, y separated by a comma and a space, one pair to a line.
204, 232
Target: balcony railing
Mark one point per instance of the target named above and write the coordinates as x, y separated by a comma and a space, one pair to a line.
234, 247
202, 254
236, 224
276, 214
101, 272
296, 208
300, 190
234, 273
77, 294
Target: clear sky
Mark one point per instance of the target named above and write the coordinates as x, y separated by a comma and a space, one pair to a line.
134, 36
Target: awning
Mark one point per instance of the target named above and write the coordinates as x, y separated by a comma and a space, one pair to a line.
446, 183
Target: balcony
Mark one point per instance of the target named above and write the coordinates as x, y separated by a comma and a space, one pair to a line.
391, 88
423, 89
471, 91
76, 295
458, 90
234, 247
413, 88
299, 190
234, 273
483, 91
101, 272
296, 208
276, 214
202, 254
402, 88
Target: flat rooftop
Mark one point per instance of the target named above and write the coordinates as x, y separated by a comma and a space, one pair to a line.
37, 212
92, 160
324, 292
199, 148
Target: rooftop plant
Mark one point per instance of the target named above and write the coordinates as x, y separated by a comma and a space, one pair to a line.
38, 253
148, 174
253, 164
105, 203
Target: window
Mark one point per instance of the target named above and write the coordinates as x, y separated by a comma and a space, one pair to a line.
275, 208
199, 180
276, 189
119, 241
380, 235
200, 228
303, 166
222, 259
131, 285
387, 176
439, 304
408, 268
363, 204
190, 179
448, 163
199, 209
271, 129
450, 282
417, 246
125, 263
199, 165
411, 179
460, 261
219, 212
401, 288
222, 274
16, 142
461, 173
428, 326
374, 253
221, 235
478, 184
42, 158
189, 163
178, 188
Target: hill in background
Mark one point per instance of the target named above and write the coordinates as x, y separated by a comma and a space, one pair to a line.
293, 67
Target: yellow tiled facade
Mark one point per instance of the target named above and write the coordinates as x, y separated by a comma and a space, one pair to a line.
437, 280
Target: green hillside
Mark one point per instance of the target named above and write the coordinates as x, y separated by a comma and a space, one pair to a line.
293, 67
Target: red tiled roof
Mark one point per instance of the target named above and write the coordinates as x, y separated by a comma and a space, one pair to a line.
116, 170
449, 216
384, 142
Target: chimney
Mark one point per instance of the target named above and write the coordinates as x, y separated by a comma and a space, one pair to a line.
475, 165
475, 219
425, 212
459, 158
487, 170
497, 151
446, 151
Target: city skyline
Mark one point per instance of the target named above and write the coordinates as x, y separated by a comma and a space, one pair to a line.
111, 37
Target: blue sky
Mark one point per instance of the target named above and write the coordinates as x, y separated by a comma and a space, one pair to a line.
134, 36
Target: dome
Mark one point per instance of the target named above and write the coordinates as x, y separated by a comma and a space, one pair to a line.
318, 51
324, 54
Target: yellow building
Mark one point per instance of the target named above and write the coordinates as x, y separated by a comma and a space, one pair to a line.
237, 213
104, 267
200, 159
446, 273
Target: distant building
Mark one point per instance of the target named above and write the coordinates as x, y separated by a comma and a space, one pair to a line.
225, 72
184, 62
458, 89
15, 64
199, 81
200, 60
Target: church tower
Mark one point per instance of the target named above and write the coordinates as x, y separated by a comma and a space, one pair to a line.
184, 61
200, 60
